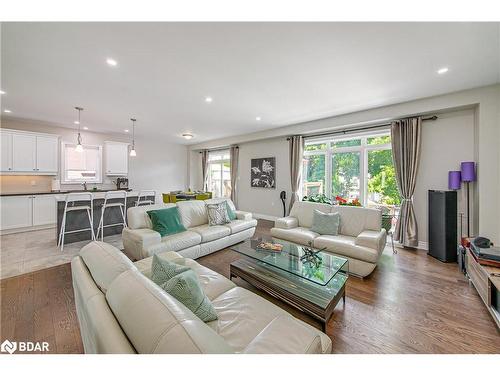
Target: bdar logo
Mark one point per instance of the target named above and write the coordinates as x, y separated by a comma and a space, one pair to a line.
8, 346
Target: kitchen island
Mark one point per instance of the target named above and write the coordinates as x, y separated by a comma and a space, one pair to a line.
78, 219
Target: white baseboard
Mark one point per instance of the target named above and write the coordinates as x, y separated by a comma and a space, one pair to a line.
264, 217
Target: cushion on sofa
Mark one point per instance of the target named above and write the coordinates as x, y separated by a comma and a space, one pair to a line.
181, 240
345, 245
186, 288
105, 262
240, 225
326, 223
193, 213
372, 238
217, 213
211, 232
166, 221
163, 269
137, 217
286, 222
298, 235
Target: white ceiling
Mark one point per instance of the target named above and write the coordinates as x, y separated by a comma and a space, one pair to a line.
283, 72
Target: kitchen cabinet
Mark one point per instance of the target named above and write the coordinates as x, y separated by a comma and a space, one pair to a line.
116, 158
46, 154
24, 153
6, 152
44, 209
26, 211
16, 212
31, 153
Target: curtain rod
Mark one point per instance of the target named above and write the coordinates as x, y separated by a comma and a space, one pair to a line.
217, 149
431, 118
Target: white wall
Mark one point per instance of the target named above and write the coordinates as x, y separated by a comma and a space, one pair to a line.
483, 125
158, 165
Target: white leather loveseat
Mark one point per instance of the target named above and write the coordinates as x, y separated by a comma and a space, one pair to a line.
361, 238
141, 241
120, 310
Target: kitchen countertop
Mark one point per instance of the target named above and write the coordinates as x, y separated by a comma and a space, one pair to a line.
57, 192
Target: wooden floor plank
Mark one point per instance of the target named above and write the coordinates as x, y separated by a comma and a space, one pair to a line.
412, 303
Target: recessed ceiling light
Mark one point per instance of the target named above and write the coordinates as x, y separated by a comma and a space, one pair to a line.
7, 111
126, 130
442, 70
76, 122
188, 136
258, 118
209, 99
111, 62
2, 92
85, 128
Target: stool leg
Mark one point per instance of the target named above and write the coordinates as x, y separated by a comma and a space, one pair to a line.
100, 227
63, 229
123, 217
91, 226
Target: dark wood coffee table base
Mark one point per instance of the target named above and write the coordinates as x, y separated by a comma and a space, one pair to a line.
264, 278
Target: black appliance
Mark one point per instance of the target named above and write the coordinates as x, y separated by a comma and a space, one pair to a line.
443, 225
122, 183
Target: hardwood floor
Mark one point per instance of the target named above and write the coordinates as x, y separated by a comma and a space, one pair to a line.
412, 303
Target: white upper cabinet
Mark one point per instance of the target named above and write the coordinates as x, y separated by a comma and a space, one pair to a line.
6, 152
116, 156
24, 153
27, 152
46, 154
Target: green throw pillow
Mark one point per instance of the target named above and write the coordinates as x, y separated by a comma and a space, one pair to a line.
185, 287
163, 270
166, 221
326, 223
230, 211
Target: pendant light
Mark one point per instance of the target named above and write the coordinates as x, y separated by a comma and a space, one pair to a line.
132, 151
79, 147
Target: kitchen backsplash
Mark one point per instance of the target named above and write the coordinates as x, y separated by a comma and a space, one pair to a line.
38, 184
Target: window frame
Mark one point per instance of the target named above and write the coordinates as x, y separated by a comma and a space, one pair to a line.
66, 181
220, 161
363, 149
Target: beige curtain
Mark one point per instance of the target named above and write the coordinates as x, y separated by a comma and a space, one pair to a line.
296, 152
406, 139
234, 156
204, 168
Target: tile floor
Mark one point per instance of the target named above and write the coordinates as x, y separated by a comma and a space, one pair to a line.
32, 251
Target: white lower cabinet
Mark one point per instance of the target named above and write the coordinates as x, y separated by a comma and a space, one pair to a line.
26, 211
44, 209
16, 212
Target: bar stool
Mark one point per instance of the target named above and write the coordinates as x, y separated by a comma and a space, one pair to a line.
119, 194
145, 194
69, 206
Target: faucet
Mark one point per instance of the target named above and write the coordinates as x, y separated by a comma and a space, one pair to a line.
85, 186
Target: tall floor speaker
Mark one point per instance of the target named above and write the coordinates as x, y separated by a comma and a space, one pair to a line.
443, 225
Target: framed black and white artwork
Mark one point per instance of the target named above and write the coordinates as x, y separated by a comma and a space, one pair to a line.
263, 173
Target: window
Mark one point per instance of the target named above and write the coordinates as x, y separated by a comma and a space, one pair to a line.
352, 167
219, 173
79, 167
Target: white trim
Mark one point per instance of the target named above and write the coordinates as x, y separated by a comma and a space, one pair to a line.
264, 217
422, 245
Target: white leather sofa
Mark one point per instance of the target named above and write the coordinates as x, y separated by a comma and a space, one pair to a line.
141, 241
361, 238
120, 310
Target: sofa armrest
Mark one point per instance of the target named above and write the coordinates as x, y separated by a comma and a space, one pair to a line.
372, 239
285, 335
136, 240
243, 215
287, 222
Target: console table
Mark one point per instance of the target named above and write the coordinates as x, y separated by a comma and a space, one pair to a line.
484, 280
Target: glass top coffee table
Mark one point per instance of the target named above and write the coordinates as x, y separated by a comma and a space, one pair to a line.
309, 279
